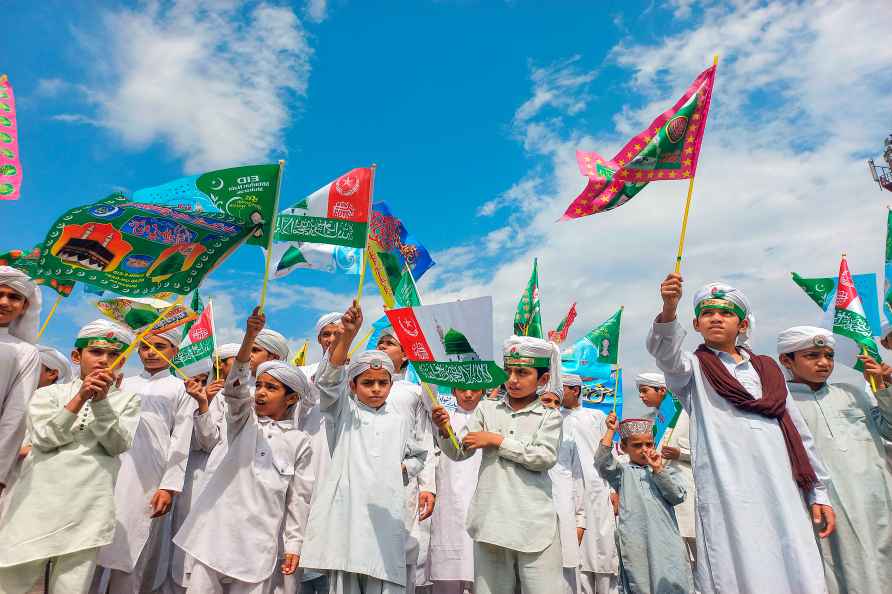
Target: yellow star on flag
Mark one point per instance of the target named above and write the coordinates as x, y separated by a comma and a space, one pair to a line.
672, 174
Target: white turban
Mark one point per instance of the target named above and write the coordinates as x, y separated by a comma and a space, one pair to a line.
885, 329
329, 318
799, 338
652, 379
230, 349
174, 336
292, 377
369, 360
526, 351
25, 327
53, 359
389, 331
571, 379
738, 303
106, 334
273, 342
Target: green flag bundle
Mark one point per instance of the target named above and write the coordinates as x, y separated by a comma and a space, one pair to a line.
605, 338
196, 354
528, 319
849, 319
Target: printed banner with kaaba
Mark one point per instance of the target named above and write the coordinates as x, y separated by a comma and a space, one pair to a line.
133, 248
450, 344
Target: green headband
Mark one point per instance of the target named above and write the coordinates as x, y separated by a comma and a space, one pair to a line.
715, 303
102, 342
518, 360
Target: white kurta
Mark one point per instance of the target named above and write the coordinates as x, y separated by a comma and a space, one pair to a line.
19, 373
684, 511
853, 435
356, 521
260, 489
598, 551
754, 532
63, 500
568, 485
157, 460
452, 550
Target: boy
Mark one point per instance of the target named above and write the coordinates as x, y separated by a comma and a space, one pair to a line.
357, 529
260, 492
63, 506
568, 489
54, 367
652, 552
750, 449
677, 453
851, 433
328, 326
152, 471
269, 345
512, 519
19, 361
452, 550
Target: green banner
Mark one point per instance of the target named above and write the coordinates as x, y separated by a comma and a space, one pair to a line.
470, 375
291, 227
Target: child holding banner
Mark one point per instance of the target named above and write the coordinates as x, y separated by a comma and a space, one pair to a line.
512, 519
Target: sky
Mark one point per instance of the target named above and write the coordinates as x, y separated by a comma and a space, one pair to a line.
473, 112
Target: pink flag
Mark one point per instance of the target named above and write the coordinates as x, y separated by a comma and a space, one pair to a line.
10, 166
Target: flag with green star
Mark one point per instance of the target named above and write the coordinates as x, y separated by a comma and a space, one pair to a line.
528, 319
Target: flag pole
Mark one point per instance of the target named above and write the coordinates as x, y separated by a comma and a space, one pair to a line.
272, 232
142, 334
214, 335
436, 402
870, 377
49, 316
361, 342
166, 360
687, 206
363, 263
618, 368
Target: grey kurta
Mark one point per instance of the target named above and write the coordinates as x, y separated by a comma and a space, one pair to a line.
19, 372
849, 433
654, 559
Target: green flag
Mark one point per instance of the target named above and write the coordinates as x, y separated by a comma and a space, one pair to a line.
405, 293
605, 338
528, 319
195, 305
820, 290
849, 319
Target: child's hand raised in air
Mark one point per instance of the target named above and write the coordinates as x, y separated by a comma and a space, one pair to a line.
607, 438
255, 323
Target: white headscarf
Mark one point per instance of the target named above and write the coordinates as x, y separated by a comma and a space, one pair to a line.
724, 291
526, 348
104, 332
571, 379
369, 360
290, 376
25, 327
227, 350
53, 359
652, 379
799, 338
389, 331
329, 318
273, 342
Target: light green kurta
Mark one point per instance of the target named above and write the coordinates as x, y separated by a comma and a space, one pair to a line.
852, 435
63, 500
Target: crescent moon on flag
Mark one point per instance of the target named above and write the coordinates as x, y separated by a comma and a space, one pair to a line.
214, 183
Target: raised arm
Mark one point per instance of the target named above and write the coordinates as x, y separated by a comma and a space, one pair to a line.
237, 389
664, 341
607, 466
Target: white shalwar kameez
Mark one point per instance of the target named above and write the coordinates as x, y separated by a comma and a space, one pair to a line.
568, 486
679, 438
452, 550
259, 491
156, 461
599, 562
357, 529
754, 532
62, 506
19, 373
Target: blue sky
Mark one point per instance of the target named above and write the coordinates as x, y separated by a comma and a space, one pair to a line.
472, 111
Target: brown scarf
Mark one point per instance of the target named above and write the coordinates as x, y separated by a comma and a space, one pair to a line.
772, 404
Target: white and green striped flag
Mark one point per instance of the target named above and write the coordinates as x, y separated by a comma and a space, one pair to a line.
196, 354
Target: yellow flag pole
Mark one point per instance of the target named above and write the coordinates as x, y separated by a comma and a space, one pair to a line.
272, 232
870, 377
144, 332
166, 360
436, 402
687, 207
361, 342
49, 316
364, 263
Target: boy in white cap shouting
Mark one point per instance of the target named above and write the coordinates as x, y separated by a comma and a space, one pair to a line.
752, 452
19, 361
512, 518
327, 328
64, 499
853, 434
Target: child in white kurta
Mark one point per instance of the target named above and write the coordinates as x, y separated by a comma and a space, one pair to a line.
260, 491
62, 505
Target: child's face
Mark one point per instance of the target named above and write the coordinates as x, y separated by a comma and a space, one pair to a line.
201, 378
650, 396
272, 398
151, 361
226, 366
48, 377
260, 355
328, 335
467, 399
550, 400
636, 446
388, 344
571, 396
372, 387
92, 358
719, 326
811, 366
523, 381
12, 305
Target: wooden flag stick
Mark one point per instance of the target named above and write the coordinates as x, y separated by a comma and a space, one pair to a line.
436, 402
49, 316
144, 332
616, 387
272, 232
166, 360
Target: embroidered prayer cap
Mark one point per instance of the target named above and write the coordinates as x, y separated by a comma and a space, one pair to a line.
25, 326
104, 334
526, 351
799, 338
174, 336
227, 350
630, 427
720, 295
650, 378
273, 342
370, 360
571, 379
329, 318
53, 359
292, 377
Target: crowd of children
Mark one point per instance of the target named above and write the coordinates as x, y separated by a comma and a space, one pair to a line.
257, 477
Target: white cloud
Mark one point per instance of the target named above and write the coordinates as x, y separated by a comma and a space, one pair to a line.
317, 10
74, 118
560, 86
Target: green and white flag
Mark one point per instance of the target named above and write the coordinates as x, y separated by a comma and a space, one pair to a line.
605, 338
849, 319
196, 354
528, 319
